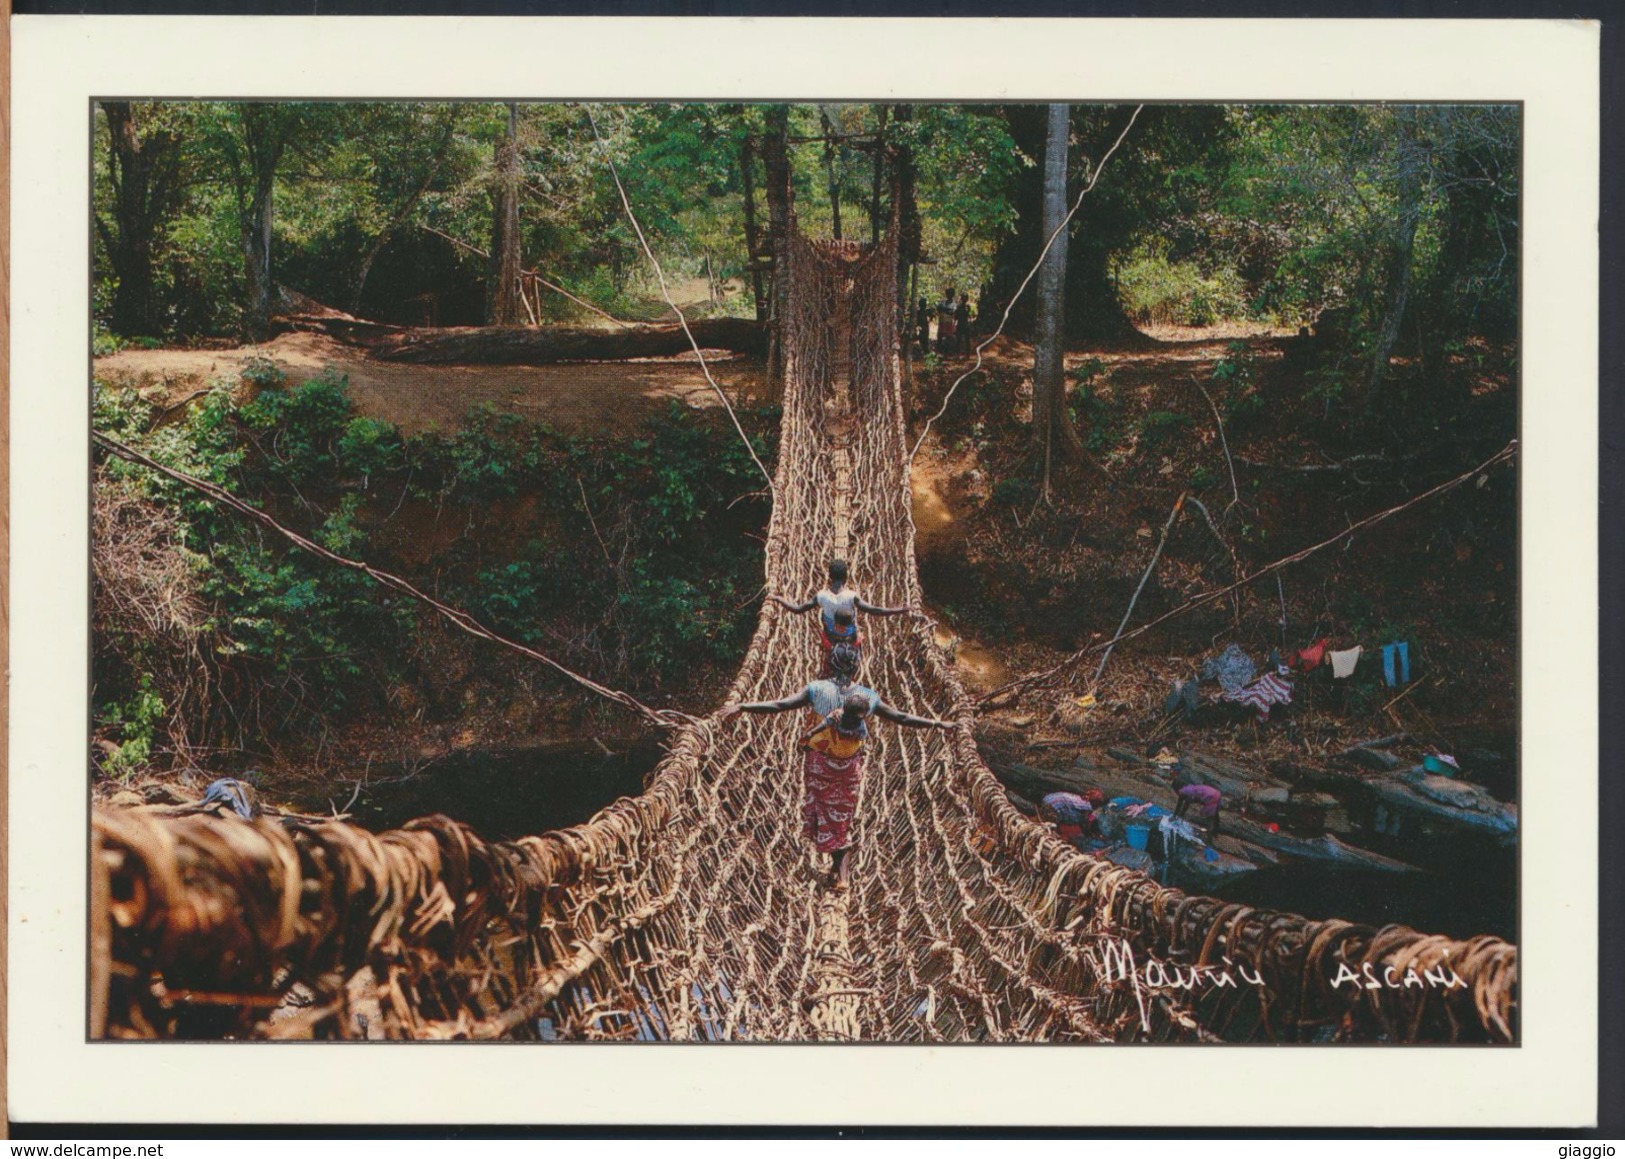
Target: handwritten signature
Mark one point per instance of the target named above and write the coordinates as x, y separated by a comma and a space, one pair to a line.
1116, 963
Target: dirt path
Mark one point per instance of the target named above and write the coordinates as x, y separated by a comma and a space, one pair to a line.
576, 398
932, 482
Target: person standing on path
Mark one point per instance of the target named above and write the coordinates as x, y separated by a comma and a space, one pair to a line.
838, 725
962, 324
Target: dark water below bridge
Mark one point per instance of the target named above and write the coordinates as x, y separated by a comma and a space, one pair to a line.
506, 794
1467, 887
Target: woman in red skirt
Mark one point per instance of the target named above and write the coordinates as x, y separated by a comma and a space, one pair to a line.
839, 710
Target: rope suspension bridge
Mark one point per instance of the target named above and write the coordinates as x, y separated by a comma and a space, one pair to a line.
691, 912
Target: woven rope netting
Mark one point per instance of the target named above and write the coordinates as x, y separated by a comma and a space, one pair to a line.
693, 911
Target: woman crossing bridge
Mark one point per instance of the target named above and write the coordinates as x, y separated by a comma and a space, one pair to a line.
839, 709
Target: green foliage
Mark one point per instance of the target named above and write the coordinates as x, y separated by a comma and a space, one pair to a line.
299, 430
104, 342
1158, 290
1235, 375
1098, 419
135, 723
664, 583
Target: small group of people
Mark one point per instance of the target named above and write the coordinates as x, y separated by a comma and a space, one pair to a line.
1075, 817
953, 325
838, 713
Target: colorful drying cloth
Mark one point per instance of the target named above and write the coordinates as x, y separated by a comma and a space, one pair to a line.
1308, 658
1232, 668
1263, 692
1343, 662
830, 799
1401, 651
238, 796
1068, 808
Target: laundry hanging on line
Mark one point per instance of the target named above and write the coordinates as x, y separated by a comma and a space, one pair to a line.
1232, 668
1343, 662
1269, 689
1309, 658
1399, 650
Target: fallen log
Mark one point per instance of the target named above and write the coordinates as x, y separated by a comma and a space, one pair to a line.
541, 346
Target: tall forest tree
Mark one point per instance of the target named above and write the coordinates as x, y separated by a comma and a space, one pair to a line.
1052, 435
266, 132
776, 188
504, 294
144, 169
1410, 164
1093, 312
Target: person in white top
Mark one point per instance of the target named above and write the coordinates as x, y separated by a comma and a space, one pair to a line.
837, 605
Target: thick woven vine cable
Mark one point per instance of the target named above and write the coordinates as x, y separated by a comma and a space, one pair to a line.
691, 911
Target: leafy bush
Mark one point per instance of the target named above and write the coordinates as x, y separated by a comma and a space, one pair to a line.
1159, 290
301, 428
135, 722
665, 580
1095, 416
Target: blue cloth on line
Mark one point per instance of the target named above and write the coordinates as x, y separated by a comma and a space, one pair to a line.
1401, 650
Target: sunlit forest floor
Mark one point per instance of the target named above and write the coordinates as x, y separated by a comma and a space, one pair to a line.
578, 398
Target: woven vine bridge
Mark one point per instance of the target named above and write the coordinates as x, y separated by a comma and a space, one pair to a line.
692, 912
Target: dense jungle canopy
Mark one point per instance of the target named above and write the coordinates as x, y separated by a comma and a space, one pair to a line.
1403, 216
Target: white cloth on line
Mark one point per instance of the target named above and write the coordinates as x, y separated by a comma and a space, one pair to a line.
1343, 662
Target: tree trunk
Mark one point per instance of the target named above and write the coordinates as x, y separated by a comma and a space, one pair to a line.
143, 176
364, 266
878, 155
829, 172
753, 243
266, 135
907, 206
531, 346
776, 167
1399, 273
503, 306
1050, 427
1093, 312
